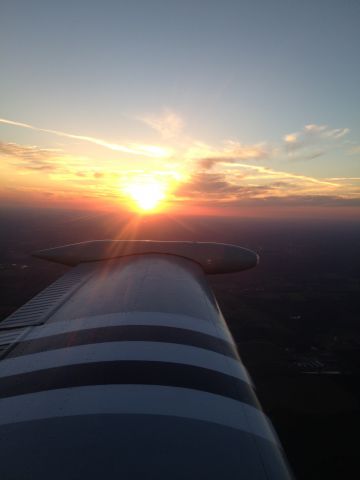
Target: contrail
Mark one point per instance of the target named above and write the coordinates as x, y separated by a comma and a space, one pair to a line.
278, 173
151, 151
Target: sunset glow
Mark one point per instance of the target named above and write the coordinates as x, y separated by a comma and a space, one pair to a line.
146, 193
186, 137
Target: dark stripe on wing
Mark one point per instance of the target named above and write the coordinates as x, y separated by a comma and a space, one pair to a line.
126, 333
129, 372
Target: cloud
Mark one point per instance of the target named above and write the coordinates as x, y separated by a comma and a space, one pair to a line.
168, 124
26, 152
325, 131
211, 190
208, 188
355, 150
232, 174
258, 151
258, 172
245, 183
312, 142
34, 158
235, 152
207, 183
152, 151
30, 157
313, 200
344, 179
313, 136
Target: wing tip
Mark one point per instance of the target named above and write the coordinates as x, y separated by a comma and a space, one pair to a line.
212, 257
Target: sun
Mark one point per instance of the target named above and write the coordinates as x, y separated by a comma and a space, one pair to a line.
146, 193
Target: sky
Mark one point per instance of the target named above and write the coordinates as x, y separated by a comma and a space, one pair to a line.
219, 107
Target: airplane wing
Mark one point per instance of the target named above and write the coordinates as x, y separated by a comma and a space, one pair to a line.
125, 368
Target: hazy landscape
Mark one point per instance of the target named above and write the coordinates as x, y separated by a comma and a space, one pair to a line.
295, 317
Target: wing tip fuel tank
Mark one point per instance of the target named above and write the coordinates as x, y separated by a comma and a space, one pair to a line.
212, 257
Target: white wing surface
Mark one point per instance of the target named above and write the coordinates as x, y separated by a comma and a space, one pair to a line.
125, 368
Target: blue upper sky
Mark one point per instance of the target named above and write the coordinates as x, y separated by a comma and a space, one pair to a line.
254, 69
